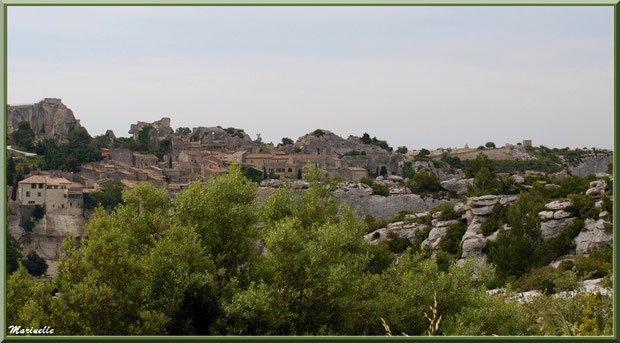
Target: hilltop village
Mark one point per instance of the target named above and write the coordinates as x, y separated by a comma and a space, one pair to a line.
58, 173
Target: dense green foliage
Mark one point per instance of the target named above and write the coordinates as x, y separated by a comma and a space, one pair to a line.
212, 261
23, 137
109, 196
183, 131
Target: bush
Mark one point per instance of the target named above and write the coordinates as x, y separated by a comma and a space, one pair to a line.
496, 220
110, 195
451, 242
35, 264
380, 189
425, 182
481, 161
583, 206
597, 264
398, 245
318, 133
373, 223
481, 147
558, 246
490, 145
367, 181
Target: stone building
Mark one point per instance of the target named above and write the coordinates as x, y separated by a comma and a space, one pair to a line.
55, 194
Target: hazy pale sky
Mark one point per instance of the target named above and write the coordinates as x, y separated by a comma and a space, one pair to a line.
415, 76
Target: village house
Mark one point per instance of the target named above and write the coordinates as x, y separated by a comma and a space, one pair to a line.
53, 193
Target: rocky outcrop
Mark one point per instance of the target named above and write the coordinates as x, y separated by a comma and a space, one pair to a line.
592, 164
555, 218
519, 152
594, 236
396, 230
231, 138
160, 129
49, 118
477, 210
456, 185
47, 235
361, 197
352, 151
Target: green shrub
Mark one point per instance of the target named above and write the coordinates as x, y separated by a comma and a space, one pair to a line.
597, 264
558, 246
496, 220
582, 206
35, 264
451, 241
425, 182
380, 189
398, 245
367, 181
381, 257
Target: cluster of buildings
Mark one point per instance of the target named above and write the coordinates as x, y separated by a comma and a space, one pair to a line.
198, 156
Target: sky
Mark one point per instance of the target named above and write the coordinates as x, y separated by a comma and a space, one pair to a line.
422, 77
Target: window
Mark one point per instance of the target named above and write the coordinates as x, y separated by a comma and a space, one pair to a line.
38, 194
40, 185
33, 186
28, 194
65, 196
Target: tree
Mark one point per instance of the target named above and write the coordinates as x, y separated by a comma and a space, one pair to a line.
110, 195
481, 161
183, 131
53, 157
287, 141
24, 136
490, 145
424, 182
402, 150
258, 140
10, 171
35, 265
13, 254
366, 138
481, 147
424, 152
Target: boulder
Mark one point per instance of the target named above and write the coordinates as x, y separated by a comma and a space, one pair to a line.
553, 228
561, 214
457, 186
593, 237
484, 200
545, 215
558, 205
395, 178
473, 245
482, 211
434, 238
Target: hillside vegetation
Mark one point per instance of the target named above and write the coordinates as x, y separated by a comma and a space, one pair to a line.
211, 261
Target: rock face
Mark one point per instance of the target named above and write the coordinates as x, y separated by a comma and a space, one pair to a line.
594, 237
49, 118
395, 230
592, 164
232, 139
368, 156
384, 207
477, 211
458, 186
47, 236
555, 218
160, 129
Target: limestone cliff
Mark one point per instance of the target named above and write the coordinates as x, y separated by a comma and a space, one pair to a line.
49, 118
